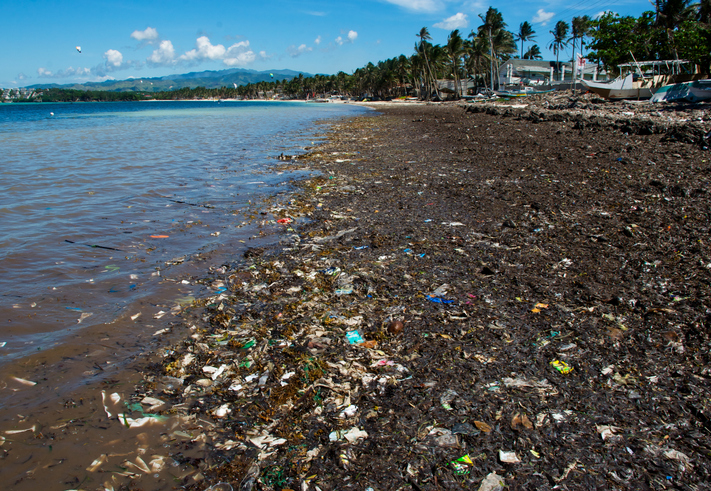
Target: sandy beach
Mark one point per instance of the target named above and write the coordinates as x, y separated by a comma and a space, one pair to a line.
469, 295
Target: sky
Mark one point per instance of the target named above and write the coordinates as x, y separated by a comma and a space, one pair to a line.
69, 41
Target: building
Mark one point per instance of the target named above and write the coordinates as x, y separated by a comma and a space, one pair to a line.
516, 71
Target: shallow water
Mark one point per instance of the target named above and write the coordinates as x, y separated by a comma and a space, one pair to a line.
95, 198
109, 212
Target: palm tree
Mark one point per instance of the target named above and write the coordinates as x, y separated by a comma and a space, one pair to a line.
525, 33
477, 56
533, 53
580, 28
670, 14
424, 36
560, 32
455, 50
493, 25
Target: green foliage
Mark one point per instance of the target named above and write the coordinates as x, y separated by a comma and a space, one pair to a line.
73, 95
615, 37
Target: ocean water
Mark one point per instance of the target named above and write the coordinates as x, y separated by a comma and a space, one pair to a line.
101, 202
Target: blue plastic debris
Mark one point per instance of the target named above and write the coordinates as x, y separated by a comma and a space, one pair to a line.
354, 337
438, 299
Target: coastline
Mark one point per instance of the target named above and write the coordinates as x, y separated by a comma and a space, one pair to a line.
503, 245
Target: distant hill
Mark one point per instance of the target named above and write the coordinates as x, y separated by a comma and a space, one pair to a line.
211, 79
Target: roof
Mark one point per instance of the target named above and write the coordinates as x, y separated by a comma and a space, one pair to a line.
520, 65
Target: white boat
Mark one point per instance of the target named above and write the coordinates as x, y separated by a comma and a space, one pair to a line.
640, 80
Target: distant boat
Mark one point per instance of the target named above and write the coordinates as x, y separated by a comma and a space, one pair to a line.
640, 80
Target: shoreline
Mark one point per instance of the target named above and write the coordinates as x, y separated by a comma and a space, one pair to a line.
494, 281
500, 252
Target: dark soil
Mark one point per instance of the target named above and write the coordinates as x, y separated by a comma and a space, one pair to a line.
503, 245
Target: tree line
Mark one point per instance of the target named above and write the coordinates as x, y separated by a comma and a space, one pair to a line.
675, 29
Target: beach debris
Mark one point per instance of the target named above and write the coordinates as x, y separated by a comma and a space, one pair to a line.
291, 328
561, 366
607, 432
97, 463
352, 435
492, 482
482, 426
24, 381
396, 327
129, 422
507, 457
354, 337
462, 465
447, 398
521, 419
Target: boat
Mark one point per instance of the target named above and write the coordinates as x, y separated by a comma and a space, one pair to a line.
696, 91
641, 80
700, 90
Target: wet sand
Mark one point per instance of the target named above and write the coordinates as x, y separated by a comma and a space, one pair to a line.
504, 242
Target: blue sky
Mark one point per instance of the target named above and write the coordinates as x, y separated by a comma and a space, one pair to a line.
120, 39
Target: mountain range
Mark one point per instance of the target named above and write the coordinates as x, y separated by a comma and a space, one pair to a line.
210, 79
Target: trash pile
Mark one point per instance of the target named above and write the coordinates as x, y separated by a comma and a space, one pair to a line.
677, 121
459, 301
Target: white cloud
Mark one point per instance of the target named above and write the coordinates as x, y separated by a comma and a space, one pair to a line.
239, 54
149, 34
542, 17
22, 76
457, 21
205, 50
294, 51
317, 14
114, 58
418, 5
164, 55
69, 72
352, 36
317, 41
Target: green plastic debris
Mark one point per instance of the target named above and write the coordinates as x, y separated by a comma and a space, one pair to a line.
461, 465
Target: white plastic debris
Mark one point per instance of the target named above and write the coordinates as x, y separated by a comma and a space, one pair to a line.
264, 441
139, 422
222, 411
352, 435
682, 458
348, 412
607, 431
492, 482
97, 463
508, 457
152, 402
24, 381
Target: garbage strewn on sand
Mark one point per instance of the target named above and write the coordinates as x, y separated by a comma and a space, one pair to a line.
461, 301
